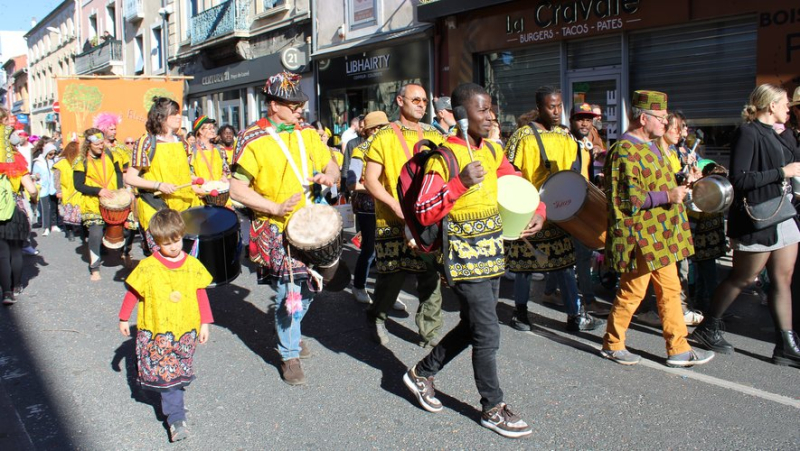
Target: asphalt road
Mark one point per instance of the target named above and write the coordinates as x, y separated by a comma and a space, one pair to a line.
67, 378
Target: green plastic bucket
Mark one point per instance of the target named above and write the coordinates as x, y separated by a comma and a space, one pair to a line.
517, 200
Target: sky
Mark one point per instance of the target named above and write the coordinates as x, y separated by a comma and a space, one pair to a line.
15, 15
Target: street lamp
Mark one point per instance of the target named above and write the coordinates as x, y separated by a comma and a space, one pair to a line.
164, 12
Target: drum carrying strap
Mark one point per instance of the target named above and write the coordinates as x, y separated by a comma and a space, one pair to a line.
303, 158
402, 139
576, 165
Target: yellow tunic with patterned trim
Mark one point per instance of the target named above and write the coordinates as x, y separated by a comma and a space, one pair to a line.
68, 193
473, 245
214, 158
98, 175
523, 152
384, 148
264, 164
122, 154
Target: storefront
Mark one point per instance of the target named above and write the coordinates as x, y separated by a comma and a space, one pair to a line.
232, 94
706, 57
369, 80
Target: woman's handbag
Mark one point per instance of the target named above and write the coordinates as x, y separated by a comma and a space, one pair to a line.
772, 212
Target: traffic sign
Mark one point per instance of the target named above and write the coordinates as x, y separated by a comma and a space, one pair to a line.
56, 107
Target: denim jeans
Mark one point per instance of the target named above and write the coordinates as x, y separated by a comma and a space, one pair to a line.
705, 282
563, 279
478, 327
288, 326
172, 405
583, 267
366, 223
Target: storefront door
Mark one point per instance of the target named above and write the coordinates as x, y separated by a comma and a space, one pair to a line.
229, 113
599, 88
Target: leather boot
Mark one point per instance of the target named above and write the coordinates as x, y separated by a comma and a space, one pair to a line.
787, 349
519, 320
709, 334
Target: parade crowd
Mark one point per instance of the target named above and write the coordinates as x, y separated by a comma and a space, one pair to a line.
444, 226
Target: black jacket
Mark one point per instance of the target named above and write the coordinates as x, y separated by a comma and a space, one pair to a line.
757, 156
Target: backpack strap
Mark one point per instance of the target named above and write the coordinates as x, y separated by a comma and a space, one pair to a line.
152, 150
402, 139
450, 160
538, 137
491, 148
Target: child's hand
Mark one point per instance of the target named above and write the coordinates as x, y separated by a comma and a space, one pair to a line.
125, 328
203, 333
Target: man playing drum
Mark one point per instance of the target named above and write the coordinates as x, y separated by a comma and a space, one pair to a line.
267, 178
385, 154
648, 232
539, 150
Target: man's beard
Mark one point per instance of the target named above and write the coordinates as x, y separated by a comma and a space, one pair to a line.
579, 135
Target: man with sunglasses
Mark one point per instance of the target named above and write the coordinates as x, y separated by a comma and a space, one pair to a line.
385, 153
648, 232
276, 164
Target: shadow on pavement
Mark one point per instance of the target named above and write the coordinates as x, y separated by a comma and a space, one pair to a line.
126, 353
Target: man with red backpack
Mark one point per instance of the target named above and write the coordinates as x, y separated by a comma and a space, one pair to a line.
472, 254
385, 153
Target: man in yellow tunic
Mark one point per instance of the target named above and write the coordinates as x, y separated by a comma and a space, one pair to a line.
648, 232
385, 154
275, 166
539, 150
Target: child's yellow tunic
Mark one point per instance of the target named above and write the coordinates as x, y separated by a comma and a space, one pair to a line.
168, 320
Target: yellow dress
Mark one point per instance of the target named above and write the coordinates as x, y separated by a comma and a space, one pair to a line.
68, 193
170, 164
168, 320
100, 173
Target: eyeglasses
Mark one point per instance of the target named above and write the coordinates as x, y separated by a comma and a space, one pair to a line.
130, 143
292, 105
662, 119
417, 100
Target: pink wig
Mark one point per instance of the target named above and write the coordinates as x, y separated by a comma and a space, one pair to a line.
104, 121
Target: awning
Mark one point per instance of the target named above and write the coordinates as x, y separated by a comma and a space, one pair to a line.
372, 41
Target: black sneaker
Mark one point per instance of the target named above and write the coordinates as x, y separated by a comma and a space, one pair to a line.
520, 321
502, 420
709, 335
178, 431
423, 389
583, 322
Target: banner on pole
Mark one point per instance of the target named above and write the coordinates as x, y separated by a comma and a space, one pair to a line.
81, 100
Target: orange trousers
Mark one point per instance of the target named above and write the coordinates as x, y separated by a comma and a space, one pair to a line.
631, 292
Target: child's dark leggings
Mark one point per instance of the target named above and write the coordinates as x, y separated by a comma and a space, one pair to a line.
172, 405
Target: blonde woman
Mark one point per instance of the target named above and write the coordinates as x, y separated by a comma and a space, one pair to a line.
760, 165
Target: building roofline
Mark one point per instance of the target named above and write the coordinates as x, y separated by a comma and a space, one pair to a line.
47, 18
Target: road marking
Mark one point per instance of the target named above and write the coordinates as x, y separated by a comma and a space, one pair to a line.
689, 374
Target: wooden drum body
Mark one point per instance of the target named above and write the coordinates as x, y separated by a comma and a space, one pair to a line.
115, 212
576, 206
223, 193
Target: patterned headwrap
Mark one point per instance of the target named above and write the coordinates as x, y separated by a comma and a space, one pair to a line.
650, 100
285, 86
96, 138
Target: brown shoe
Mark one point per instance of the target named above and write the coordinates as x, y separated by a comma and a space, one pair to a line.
305, 353
292, 372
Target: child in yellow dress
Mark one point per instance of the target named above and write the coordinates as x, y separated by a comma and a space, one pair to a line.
174, 314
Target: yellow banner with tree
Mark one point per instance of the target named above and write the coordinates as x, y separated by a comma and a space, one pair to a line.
82, 99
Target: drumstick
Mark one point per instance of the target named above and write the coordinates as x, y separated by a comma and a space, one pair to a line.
197, 181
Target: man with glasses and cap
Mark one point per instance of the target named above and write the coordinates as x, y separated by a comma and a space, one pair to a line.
648, 232
385, 153
269, 157
444, 121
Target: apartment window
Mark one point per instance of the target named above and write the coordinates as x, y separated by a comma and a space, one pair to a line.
269, 4
189, 10
93, 26
139, 58
111, 20
156, 53
362, 13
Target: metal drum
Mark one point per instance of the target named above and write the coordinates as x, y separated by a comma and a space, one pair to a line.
712, 194
212, 235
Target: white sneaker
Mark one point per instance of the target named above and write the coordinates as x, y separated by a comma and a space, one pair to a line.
537, 276
361, 295
692, 317
46, 232
399, 305
56, 229
650, 318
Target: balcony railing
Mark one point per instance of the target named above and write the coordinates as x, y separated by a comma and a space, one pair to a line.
99, 58
134, 10
223, 19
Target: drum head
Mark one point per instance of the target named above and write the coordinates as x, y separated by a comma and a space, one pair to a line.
313, 226
120, 201
208, 221
564, 193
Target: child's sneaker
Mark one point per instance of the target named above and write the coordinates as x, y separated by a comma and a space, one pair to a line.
506, 423
178, 431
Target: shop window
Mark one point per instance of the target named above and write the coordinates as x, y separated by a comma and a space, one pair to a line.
512, 78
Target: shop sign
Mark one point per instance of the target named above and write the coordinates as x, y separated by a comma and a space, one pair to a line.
552, 20
377, 66
241, 74
22, 118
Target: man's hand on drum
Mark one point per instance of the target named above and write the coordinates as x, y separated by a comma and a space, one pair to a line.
533, 227
472, 174
677, 194
105, 193
322, 179
287, 207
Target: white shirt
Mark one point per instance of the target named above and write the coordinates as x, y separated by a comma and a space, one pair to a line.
347, 135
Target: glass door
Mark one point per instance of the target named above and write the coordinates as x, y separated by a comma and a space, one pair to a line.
601, 89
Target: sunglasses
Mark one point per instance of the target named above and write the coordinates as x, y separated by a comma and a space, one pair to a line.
417, 100
292, 105
130, 143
